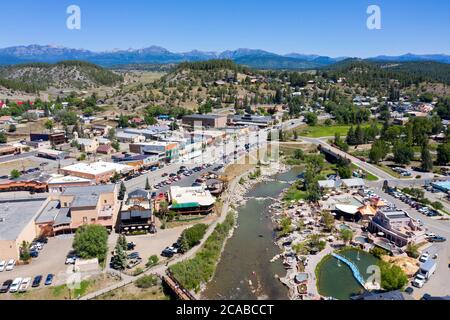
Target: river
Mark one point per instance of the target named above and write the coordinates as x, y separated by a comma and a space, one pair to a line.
245, 271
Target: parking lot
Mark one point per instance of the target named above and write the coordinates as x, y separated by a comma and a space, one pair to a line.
51, 260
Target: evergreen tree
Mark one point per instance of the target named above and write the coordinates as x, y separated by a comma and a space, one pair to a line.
427, 161
147, 184
122, 191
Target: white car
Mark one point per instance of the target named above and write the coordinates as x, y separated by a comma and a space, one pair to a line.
15, 285
430, 235
424, 257
2, 265
24, 285
10, 265
419, 281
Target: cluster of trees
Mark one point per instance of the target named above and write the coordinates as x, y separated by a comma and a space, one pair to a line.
91, 241
200, 269
362, 135
347, 113
192, 236
314, 166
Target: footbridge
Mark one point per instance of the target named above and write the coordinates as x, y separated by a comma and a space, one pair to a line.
353, 267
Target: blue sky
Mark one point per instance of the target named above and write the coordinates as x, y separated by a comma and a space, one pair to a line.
327, 27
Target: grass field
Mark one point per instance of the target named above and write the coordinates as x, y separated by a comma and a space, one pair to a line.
369, 176
327, 131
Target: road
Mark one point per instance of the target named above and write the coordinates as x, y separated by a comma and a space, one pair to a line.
17, 156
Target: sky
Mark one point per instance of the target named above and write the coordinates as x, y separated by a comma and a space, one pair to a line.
325, 27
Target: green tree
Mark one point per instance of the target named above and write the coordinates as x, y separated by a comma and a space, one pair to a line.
443, 154
91, 241
192, 236
378, 151
152, 261
427, 161
403, 153
328, 220
120, 258
122, 242
3, 137
122, 191
25, 251
392, 277
49, 125
346, 235
15, 174
311, 119
12, 128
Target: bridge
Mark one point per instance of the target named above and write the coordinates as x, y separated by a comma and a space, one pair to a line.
353, 267
177, 288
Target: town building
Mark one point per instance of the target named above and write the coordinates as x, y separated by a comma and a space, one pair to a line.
104, 149
55, 139
88, 145
130, 137
100, 172
396, 226
58, 183
205, 120
6, 150
168, 150
136, 214
17, 224
52, 154
191, 200
252, 120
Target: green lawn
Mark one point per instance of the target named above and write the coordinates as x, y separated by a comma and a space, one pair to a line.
327, 131
390, 171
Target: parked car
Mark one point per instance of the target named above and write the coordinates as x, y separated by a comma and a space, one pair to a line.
133, 255
34, 254
409, 290
49, 279
437, 239
5, 286
24, 285
424, 257
134, 263
37, 281
131, 245
167, 253
419, 281
10, 265
2, 265
165, 174
15, 285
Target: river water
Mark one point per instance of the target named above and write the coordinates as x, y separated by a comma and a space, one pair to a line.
245, 271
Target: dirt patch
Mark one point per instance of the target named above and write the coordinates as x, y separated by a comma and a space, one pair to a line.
409, 265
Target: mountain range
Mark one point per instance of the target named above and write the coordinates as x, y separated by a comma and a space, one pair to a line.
158, 55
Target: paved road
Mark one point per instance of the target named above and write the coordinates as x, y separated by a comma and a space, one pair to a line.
17, 157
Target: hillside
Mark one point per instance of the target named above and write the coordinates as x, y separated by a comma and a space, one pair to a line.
34, 77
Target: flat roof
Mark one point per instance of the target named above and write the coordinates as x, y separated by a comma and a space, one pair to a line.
87, 196
204, 116
16, 214
190, 195
98, 167
50, 212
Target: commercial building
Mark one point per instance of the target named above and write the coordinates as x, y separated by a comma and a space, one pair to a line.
88, 145
169, 150
58, 183
205, 120
100, 172
252, 120
6, 150
139, 160
17, 225
136, 213
396, 226
78, 206
55, 139
150, 132
191, 200
52, 154
130, 137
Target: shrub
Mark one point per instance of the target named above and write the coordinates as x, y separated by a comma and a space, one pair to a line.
91, 242
146, 282
192, 236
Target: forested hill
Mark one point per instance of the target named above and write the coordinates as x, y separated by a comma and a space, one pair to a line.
33, 77
365, 72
